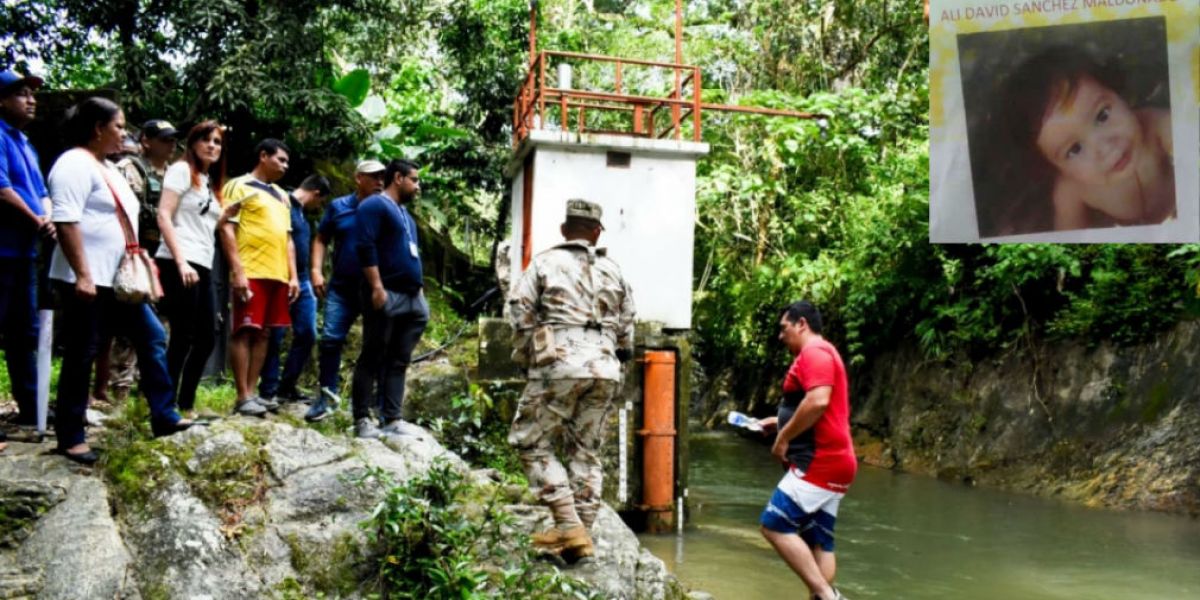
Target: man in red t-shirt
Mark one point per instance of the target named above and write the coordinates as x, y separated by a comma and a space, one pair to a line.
814, 442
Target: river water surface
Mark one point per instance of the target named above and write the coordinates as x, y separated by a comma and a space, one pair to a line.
907, 536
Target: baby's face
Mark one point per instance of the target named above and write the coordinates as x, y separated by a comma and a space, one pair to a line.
1094, 138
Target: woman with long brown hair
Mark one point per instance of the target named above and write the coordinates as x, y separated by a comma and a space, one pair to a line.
187, 217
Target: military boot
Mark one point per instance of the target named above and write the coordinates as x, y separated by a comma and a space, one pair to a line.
572, 544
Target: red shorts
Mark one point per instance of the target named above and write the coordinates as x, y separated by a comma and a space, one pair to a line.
267, 307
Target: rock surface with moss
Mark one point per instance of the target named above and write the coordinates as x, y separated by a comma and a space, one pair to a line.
1109, 425
249, 508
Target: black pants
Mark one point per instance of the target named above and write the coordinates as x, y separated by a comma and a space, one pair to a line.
192, 314
84, 324
389, 337
19, 319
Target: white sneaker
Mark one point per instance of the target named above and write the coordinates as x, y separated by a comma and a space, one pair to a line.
250, 408
402, 427
268, 403
366, 429
836, 595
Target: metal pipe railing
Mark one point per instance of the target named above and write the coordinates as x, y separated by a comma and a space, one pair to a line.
530, 106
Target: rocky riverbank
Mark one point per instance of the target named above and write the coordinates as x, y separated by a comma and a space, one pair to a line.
1106, 426
249, 508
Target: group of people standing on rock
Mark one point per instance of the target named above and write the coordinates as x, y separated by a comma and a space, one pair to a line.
571, 310
105, 199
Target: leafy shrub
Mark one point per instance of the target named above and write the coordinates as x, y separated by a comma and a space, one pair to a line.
477, 429
437, 539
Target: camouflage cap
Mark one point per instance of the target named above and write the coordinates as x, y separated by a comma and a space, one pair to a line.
577, 207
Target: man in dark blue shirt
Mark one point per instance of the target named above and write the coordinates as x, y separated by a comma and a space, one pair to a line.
394, 308
308, 197
24, 216
341, 295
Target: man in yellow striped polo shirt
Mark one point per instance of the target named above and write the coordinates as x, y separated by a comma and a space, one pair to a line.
255, 231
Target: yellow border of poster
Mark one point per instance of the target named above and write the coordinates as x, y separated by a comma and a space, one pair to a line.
949, 168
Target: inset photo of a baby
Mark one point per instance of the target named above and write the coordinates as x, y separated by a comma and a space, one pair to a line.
1069, 126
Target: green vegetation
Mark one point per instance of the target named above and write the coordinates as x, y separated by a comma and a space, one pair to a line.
332, 570
6, 383
477, 429
137, 466
833, 210
436, 539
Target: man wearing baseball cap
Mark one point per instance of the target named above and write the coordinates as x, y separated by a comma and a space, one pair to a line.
24, 217
572, 316
341, 294
145, 174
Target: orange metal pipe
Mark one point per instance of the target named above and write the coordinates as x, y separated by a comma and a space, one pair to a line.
532, 31
675, 111
553, 95
613, 59
755, 110
678, 31
658, 448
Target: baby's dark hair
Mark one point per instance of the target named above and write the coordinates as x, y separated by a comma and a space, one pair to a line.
1047, 78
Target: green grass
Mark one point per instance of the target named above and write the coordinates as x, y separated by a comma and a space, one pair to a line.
217, 398
6, 382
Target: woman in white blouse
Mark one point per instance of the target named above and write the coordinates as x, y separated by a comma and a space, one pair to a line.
86, 192
187, 217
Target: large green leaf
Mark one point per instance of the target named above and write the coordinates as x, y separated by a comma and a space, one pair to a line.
354, 85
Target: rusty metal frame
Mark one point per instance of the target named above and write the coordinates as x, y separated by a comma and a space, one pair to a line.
535, 95
529, 108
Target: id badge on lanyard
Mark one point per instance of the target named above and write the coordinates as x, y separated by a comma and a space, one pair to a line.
409, 229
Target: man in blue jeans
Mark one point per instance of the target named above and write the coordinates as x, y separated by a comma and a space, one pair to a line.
341, 295
307, 198
24, 218
394, 308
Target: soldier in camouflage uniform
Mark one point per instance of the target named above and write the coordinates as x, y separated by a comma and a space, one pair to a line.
572, 316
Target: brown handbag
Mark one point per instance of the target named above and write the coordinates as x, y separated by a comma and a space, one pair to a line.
137, 275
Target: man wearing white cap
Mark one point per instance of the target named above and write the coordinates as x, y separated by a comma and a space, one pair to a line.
341, 292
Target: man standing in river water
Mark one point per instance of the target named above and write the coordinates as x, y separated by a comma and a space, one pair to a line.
814, 442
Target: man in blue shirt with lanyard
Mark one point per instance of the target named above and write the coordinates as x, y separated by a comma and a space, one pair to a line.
341, 295
24, 217
394, 308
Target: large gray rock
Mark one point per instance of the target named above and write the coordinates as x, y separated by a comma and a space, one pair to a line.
319, 492
302, 535
495, 351
291, 449
431, 387
1107, 425
182, 552
78, 548
22, 503
621, 569
226, 443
